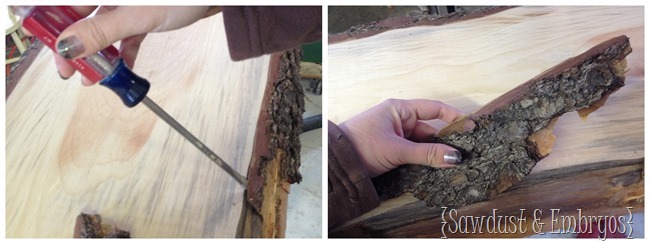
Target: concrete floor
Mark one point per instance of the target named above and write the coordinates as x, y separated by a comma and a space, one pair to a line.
304, 214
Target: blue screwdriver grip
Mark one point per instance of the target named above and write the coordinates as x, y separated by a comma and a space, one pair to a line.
127, 85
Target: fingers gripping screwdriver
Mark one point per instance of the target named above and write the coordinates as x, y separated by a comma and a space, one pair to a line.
107, 68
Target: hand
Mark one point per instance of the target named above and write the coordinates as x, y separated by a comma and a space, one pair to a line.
128, 24
384, 135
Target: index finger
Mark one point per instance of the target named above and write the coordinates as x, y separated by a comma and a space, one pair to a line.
22, 10
424, 109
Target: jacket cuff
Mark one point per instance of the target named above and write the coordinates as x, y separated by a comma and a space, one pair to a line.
350, 189
253, 31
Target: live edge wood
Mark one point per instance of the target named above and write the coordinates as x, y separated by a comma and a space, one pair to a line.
276, 159
596, 165
610, 186
605, 188
504, 140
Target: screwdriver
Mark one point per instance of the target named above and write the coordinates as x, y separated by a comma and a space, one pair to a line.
107, 68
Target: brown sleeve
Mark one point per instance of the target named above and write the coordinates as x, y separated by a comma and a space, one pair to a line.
256, 30
350, 191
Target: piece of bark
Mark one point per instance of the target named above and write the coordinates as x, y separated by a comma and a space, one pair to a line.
91, 226
499, 151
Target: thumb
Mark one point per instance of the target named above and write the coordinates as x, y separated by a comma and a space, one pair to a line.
430, 154
93, 34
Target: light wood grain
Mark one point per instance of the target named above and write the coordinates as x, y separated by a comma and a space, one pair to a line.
73, 149
469, 63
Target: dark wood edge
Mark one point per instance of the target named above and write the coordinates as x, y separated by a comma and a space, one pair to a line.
250, 222
605, 188
262, 143
377, 27
273, 165
23, 64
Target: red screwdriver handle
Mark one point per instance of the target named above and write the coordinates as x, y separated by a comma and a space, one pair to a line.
105, 66
47, 23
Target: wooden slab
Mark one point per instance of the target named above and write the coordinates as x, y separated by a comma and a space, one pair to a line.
73, 149
506, 138
467, 64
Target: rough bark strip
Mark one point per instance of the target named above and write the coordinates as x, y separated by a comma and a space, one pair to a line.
276, 153
91, 226
606, 188
378, 27
498, 152
23, 64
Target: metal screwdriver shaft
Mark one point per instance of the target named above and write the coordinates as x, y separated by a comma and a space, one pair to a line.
178, 127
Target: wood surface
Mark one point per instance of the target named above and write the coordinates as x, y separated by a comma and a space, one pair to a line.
466, 64
73, 149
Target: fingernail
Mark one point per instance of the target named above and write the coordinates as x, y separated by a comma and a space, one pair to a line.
70, 47
452, 157
64, 78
